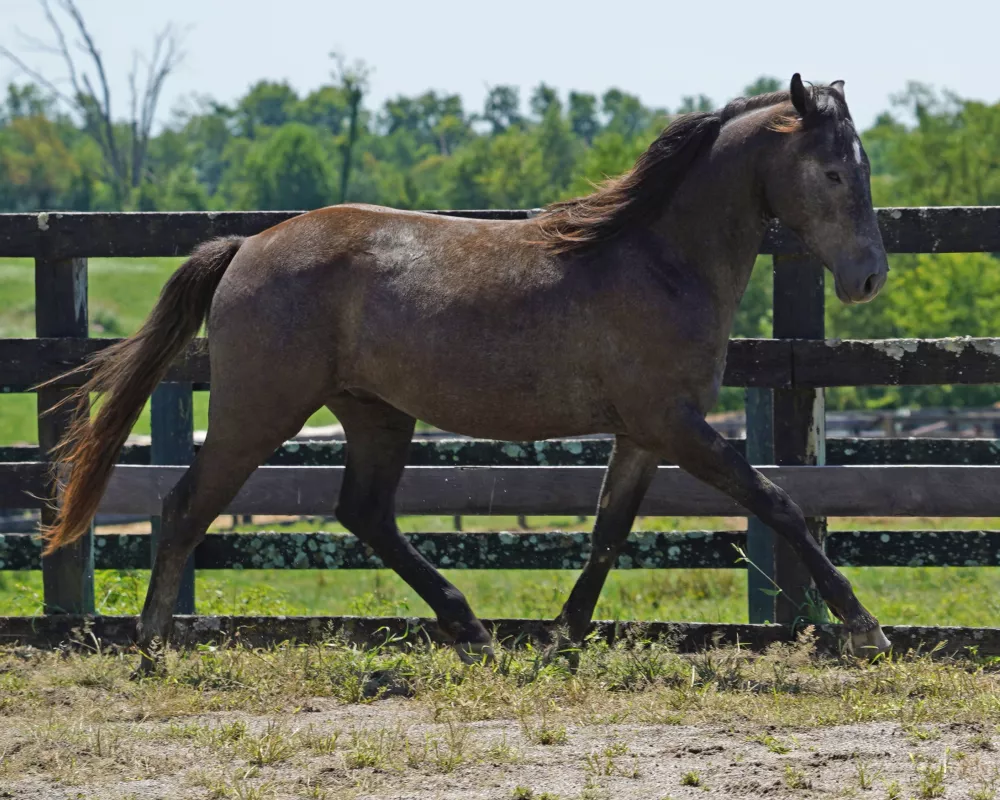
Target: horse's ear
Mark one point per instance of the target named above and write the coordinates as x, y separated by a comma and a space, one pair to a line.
839, 86
802, 97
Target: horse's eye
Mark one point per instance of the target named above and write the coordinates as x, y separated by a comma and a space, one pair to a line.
834, 176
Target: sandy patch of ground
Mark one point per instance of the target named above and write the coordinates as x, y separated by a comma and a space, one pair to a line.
636, 720
391, 749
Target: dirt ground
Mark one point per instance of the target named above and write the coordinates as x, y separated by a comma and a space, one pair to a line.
594, 761
642, 723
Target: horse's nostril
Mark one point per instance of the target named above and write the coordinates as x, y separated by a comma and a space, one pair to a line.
870, 284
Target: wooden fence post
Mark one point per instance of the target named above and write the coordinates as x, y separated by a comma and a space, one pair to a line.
760, 538
799, 414
61, 310
786, 427
172, 429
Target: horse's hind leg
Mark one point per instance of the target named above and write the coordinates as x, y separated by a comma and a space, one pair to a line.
378, 439
629, 474
245, 427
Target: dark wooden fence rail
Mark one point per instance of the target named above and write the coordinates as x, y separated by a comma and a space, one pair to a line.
784, 377
760, 363
956, 229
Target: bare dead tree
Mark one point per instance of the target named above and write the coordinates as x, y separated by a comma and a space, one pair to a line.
124, 146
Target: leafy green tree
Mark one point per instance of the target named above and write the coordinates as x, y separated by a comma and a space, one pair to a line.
956, 294
583, 116
28, 100
182, 191
765, 84
288, 170
496, 172
936, 150
84, 90
87, 191
560, 151
754, 317
208, 135
325, 107
699, 103
36, 166
625, 112
502, 108
268, 104
543, 99
414, 128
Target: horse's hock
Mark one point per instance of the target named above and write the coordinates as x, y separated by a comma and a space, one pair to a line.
784, 376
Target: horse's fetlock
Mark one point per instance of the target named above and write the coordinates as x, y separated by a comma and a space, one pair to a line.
785, 512
455, 605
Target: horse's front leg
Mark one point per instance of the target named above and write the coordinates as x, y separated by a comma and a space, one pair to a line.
686, 439
629, 474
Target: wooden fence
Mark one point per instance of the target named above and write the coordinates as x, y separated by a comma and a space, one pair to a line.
784, 378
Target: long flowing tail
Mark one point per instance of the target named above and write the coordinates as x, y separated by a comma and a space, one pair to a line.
126, 374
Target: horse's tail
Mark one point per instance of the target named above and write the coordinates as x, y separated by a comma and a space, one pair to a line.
126, 374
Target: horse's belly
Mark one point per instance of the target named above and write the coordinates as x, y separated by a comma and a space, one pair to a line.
485, 423
480, 397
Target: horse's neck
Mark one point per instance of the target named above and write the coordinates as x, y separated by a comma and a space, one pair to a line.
717, 222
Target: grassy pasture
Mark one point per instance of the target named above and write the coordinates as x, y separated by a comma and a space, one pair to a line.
897, 595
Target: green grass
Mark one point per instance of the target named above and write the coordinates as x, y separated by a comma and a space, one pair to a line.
897, 595
17, 298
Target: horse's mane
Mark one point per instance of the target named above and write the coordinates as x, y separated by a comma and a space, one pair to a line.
571, 225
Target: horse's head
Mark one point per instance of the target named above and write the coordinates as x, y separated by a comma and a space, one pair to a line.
817, 182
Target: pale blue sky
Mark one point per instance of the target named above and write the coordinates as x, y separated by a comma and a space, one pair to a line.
658, 50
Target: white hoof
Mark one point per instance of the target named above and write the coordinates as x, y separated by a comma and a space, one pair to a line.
870, 643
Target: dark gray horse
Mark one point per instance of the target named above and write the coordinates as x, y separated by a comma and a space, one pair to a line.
608, 313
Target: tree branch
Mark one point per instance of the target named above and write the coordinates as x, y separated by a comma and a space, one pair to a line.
37, 77
62, 48
124, 160
166, 56
133, 119
69, 6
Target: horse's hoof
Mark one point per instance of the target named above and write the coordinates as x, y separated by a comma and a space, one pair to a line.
570, 652
149, 665
146, 669
565, 645
475, 652
870, 644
